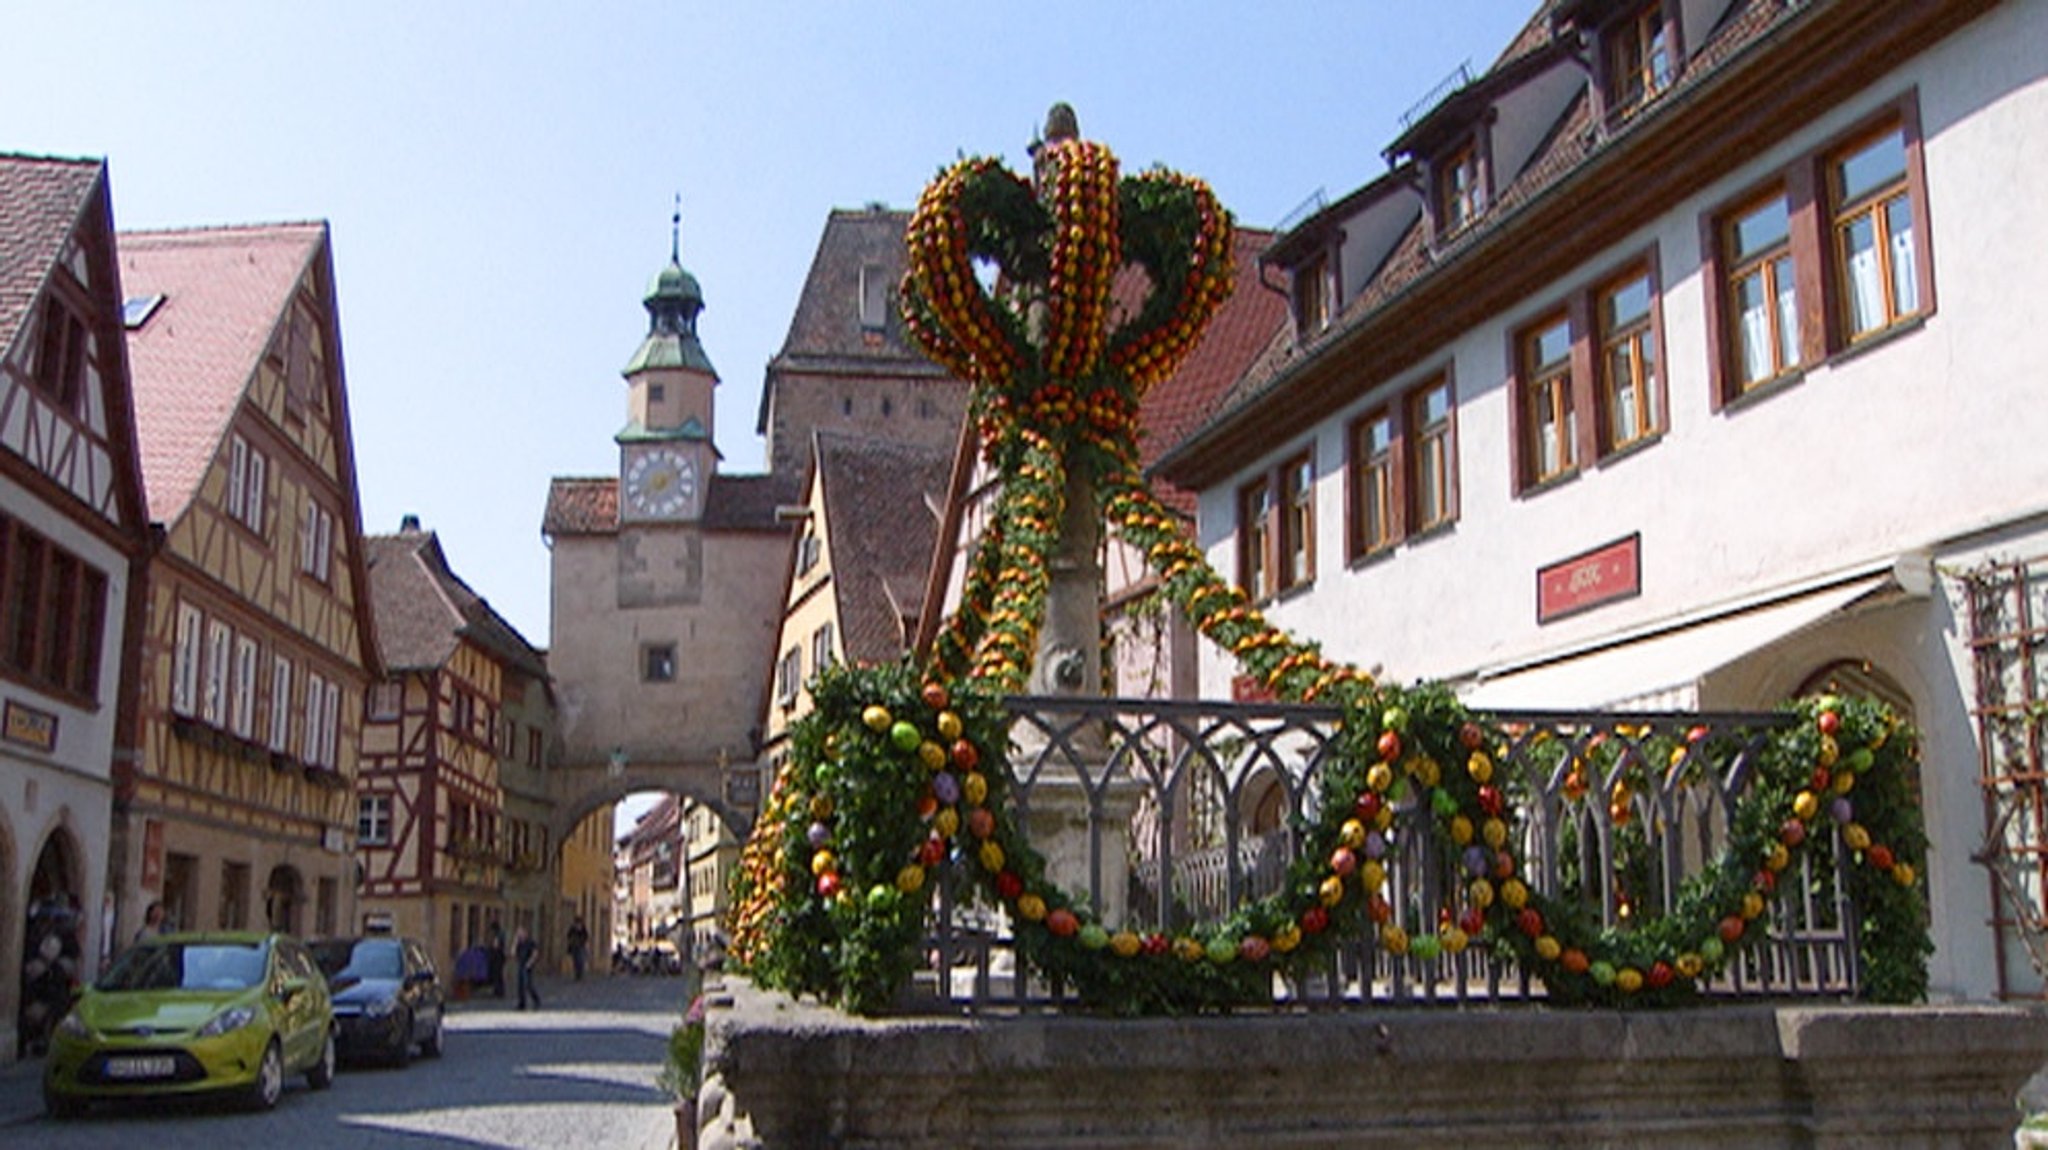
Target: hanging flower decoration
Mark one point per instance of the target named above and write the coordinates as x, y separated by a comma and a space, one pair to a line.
898, 777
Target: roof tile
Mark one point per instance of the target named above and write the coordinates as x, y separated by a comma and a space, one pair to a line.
225, 290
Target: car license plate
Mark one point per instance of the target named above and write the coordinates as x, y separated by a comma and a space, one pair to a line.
154, 1066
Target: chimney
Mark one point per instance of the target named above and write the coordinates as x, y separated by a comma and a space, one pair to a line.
410, 523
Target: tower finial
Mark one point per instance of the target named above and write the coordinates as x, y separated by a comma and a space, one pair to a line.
675, 234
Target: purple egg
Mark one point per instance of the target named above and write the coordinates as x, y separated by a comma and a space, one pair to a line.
1475, 859
1842, 810
1375, 845
819, 834
946, 787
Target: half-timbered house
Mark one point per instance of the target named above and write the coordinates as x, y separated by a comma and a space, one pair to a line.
455, 738
258, 646
71, 531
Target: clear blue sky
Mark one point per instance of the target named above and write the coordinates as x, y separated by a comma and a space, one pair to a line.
499, 177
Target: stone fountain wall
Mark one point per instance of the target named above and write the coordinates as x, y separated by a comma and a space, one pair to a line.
784, 1074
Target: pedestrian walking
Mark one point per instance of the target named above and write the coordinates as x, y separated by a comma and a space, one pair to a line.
494, 949
152, 922
526, 956
579, 946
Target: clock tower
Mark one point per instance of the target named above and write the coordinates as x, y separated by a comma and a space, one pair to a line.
665, 451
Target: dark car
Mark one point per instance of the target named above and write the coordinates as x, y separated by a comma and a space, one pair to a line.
387, 997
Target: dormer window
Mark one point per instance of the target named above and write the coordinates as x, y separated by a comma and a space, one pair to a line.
1640, 58
1460, 188
874, 297
1313, 292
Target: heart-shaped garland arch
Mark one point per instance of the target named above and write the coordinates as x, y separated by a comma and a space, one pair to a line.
900, 771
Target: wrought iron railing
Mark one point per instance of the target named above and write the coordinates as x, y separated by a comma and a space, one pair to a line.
1166, 812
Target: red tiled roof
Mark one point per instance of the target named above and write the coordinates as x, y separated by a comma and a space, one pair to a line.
589, 505
225, 290
40, 203
582, 506
1240, 330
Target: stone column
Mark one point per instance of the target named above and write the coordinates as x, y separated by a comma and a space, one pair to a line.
1063, 802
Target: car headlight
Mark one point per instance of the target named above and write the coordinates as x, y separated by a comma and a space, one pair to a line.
379, 1007
233, 1018
74, 1027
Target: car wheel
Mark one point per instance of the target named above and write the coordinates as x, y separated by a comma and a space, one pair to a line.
320, 1075
62, 1106
401, 1051
269, 1084
430, 1046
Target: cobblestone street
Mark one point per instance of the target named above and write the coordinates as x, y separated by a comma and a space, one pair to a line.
580, 1072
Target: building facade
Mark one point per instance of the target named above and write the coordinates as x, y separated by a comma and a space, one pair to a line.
458, 726
1678, 362
663, 580
258, 644
846, 364
73, 530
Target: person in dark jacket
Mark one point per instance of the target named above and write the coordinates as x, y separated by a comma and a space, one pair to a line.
526, 956
495, 948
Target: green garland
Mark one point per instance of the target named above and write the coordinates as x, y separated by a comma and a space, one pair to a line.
897, 780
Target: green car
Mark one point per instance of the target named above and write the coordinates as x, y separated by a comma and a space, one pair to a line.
231, 1011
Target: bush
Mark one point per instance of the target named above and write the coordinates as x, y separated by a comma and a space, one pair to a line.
684, 1069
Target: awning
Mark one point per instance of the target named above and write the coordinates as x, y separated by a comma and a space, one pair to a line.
1661, 671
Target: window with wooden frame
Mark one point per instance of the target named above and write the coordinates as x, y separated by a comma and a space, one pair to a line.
789, 676
61, 355
1314, 294
1375, 487
248, 483
242, 698
280, 704
1403, 475
1431, 470
1589, 381
1461, 192
373, 820
1277, 529
1549, 441
213, 691
316, 541
1255, 510
385, 698
185, 660
1639, 58
821, 647
1630, 411
1760, 292
1828, 254
1875, 265
53, 617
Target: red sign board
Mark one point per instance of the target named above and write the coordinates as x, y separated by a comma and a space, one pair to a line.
1589, 579
1247, 689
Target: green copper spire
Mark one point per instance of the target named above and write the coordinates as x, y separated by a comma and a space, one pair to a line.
673, 302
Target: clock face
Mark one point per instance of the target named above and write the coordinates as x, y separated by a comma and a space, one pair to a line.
662, 482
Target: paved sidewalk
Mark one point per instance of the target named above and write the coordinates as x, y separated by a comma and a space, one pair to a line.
21, 1092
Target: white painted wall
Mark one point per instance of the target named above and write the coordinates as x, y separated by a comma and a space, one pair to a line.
1907, 445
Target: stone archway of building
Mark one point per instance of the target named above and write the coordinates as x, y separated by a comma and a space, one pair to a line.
11, 919
284, 897
53, 941
1858, 677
